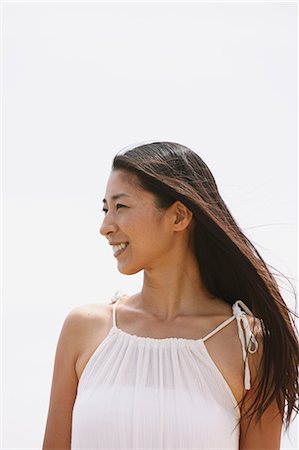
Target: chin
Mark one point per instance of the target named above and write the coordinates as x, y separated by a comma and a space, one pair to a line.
125, 270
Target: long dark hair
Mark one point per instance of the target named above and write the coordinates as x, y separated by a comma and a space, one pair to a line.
230, 266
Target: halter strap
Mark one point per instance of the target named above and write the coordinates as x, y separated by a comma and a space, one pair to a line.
114, 313
114, 300
222, 325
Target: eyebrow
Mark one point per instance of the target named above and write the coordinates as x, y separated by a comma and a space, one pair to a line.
116, 196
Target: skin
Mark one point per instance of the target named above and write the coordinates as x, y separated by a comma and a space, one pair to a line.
162, 250
172, 302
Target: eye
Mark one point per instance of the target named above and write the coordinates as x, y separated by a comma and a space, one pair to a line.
118, 205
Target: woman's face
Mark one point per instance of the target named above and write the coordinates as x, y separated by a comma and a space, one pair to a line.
132, 218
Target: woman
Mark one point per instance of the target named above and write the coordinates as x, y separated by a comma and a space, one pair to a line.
205, 356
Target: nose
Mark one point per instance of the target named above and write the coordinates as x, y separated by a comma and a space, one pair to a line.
108, 226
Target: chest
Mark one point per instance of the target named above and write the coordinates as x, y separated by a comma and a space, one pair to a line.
223, 351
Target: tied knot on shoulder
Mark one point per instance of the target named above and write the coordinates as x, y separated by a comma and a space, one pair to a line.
249, 342
118, 295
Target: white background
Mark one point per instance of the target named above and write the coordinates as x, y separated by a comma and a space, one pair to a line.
81, 81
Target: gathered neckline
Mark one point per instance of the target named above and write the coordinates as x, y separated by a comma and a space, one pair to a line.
174, 339
152, 339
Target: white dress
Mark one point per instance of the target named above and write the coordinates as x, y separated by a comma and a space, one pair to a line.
146, 393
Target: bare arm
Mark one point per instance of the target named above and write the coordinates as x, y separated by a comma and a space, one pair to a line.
266, 434
64, 386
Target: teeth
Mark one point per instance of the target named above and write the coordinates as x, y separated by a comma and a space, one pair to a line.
119, 246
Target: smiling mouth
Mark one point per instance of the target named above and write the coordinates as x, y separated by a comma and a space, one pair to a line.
118, 249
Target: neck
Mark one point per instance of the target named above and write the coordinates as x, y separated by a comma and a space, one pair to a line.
173, 291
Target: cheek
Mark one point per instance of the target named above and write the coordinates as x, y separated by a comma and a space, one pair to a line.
155, 240
147, 232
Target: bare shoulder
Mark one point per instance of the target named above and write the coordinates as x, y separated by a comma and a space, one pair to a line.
90, 311
91, 324
76, 317
77, 333
83, 320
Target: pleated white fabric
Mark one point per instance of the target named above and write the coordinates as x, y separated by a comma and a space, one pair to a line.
147, 393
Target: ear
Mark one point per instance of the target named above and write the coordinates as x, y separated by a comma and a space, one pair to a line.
182, 216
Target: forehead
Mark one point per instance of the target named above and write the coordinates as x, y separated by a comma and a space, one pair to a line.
122, 182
